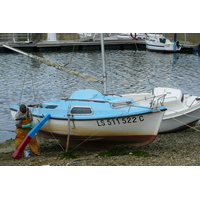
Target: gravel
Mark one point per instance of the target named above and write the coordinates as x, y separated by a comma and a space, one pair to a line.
174, 149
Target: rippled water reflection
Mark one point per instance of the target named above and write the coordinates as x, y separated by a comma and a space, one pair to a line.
23, 80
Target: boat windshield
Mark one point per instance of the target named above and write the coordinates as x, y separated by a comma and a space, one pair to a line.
162, 40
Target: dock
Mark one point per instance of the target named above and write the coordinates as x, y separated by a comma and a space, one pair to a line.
79, 45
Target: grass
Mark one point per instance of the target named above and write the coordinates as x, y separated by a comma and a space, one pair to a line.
69, 155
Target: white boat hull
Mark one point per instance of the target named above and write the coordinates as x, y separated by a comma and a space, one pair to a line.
182, 110
133, 129
177, 122
162, 48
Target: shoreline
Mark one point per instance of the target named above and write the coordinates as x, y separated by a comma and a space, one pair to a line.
174, 149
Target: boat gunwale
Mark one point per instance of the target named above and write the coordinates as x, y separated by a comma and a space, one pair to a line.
183, 112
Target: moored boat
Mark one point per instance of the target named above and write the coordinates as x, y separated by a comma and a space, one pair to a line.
182, 111
158, 43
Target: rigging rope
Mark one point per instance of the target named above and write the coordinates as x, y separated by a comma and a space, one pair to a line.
28, 68
32, 83
56, 139
23, 83
186, 125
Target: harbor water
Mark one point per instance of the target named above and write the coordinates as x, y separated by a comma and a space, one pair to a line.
24, 80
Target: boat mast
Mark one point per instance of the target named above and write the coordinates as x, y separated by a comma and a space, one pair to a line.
104, 65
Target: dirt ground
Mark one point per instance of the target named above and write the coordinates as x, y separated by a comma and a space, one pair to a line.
174, 149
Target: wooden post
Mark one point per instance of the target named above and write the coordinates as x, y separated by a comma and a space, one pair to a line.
68, 136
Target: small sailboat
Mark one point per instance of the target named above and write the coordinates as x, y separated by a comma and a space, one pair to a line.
183, 110
94, 116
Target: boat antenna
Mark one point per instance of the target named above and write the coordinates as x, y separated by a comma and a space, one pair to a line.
103, 63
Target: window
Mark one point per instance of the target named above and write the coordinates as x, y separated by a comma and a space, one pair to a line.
78, 110
121, 104
162, 40
51, 106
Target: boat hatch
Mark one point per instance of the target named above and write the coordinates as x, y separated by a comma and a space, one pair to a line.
121, 104
79, 110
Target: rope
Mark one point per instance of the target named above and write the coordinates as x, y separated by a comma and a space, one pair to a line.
32, 83
54, 138
85, 140
23, 83
186, 125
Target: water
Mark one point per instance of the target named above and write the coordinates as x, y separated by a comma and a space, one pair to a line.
23, 80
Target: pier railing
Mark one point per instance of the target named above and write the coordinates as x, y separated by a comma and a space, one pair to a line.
20, 37
14, 37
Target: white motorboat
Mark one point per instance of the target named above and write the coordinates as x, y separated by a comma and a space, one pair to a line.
182, 111
158, 43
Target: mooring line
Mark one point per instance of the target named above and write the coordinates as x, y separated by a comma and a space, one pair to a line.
85, 140
186, 124
55, 138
